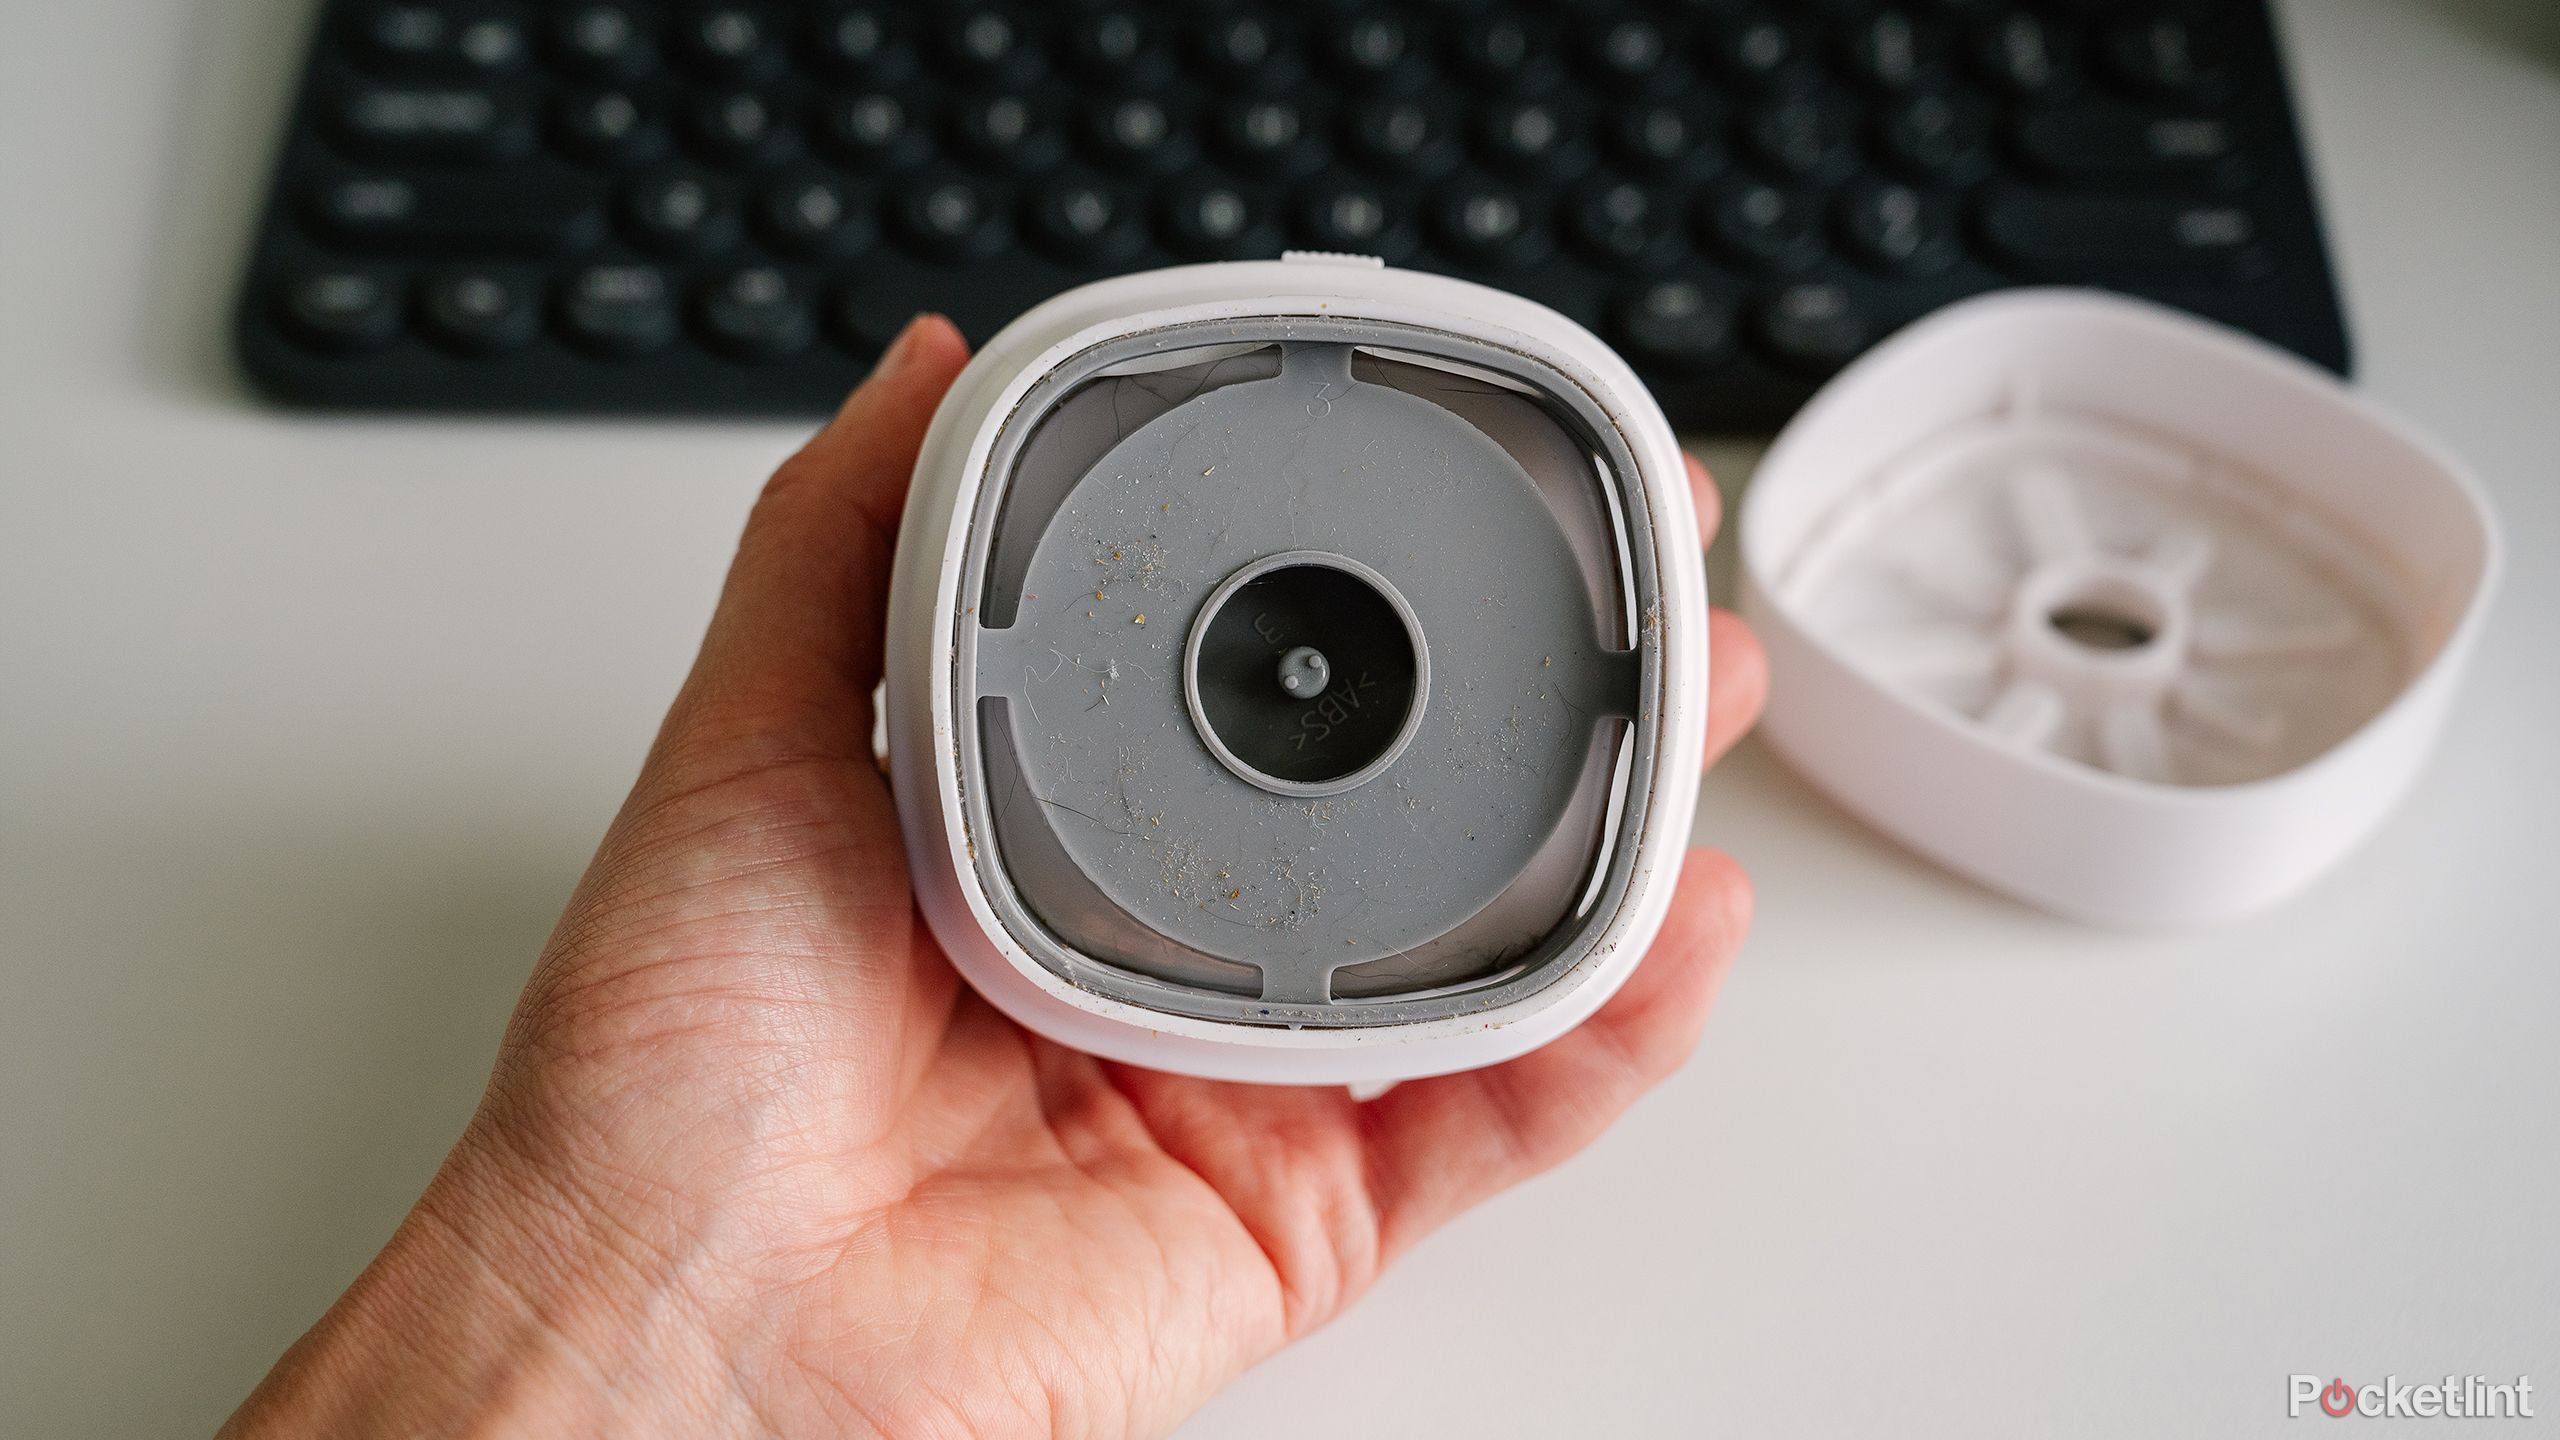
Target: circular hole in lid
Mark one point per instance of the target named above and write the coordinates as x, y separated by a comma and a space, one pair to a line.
2097, 627
1306, 673
2103, 611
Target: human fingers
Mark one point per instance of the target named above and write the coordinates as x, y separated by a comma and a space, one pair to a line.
795, 646
1438, 1146
1708, 500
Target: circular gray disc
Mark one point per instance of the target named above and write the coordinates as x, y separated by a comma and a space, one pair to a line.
1307, 460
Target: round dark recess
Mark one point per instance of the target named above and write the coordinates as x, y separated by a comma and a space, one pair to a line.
1269, 629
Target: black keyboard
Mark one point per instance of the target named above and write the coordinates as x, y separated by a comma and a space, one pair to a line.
729, 208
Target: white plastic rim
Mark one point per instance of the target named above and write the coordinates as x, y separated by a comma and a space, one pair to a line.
922, 653
2074, 838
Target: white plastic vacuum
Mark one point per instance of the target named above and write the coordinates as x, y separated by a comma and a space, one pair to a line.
1297, 671
2117, 611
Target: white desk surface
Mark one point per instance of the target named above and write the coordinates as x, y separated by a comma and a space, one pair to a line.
306, 725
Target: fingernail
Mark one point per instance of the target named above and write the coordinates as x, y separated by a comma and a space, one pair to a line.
902, 348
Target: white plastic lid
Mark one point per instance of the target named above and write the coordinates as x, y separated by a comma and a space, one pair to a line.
2115, 610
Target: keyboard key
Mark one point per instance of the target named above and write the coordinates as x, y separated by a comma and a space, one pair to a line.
1486, 223
1367, 49
1677, 325
1897, 228
948, 219
988, 41
2024, 56
754, 313
867, 318
478, 312
739, 127
1136, 133
490, 42
1356, 218
1671, 137
2127, 145
1117, 47
402, 36
430, 39
1941, 138
340, 311
1533, 139
618, 310
1806, 139
1084, 222
815, 215
1632, 55
606, 127
1243, 47
1211, 219
1009, 133
1765, 227
2083, 237
1623, 224
1815, 328
1270, 139
1405, 137
1508, 52
429, 124
1892, 51
678, 212
731, 41
2166, 55
859, 42
1761, 52
455, 215
876, 130
604, 41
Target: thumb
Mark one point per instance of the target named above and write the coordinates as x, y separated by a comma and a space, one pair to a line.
793, 650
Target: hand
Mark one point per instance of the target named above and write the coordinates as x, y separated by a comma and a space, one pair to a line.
754, 1161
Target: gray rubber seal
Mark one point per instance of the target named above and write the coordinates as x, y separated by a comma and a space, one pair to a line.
1455, 848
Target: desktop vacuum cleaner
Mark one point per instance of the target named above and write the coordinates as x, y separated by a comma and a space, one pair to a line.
1297, 671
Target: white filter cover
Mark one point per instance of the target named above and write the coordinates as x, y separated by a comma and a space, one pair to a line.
2112, 609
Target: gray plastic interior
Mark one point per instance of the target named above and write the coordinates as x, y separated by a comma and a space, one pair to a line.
1307, 673
1180, 529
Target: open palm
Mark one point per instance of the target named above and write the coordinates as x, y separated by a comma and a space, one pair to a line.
755, 1161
